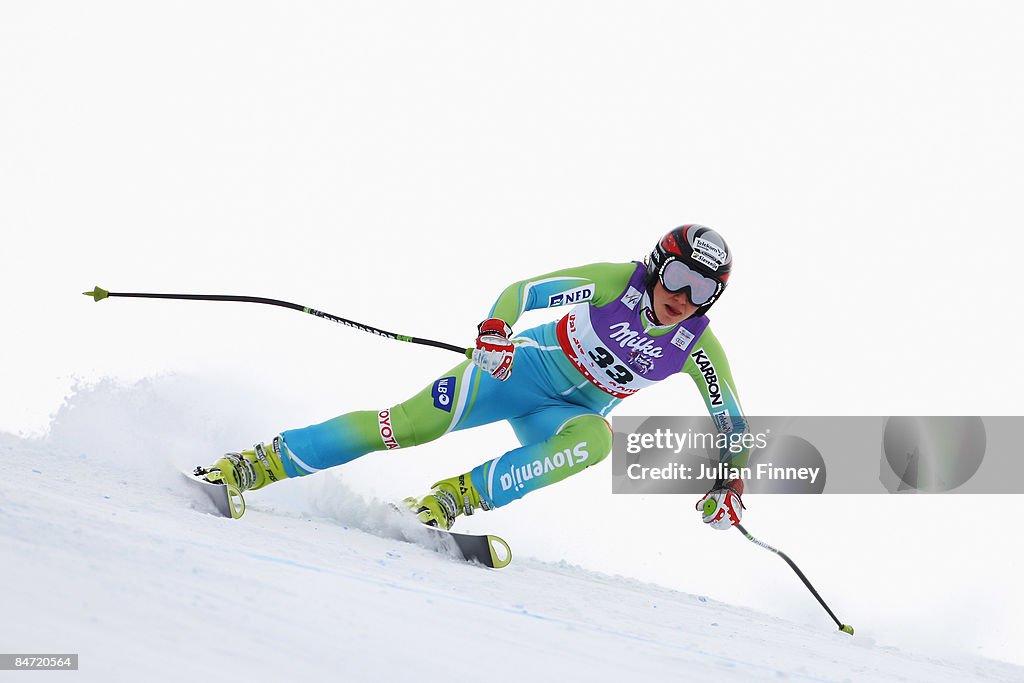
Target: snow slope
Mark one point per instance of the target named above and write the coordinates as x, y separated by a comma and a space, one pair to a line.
106, 554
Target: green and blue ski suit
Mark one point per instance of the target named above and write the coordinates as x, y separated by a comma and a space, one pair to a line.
567, 376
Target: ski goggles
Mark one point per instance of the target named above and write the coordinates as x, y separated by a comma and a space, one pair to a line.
676, 277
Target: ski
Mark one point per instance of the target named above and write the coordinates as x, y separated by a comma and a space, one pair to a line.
486, 549
227, 499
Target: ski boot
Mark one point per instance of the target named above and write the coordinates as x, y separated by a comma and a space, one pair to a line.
447, 499
248, 470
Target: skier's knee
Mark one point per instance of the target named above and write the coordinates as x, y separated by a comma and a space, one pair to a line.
396, 429
592, 433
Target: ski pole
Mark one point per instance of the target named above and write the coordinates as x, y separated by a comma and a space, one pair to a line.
99, 294
845, 628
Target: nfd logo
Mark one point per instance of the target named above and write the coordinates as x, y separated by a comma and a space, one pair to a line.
443, 392
573, 296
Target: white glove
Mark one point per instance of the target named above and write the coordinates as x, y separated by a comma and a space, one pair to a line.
494, 352
722, 507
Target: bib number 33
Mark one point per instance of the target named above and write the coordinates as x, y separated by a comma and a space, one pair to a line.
603, 358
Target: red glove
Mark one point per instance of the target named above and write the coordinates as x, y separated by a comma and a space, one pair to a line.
722, 507
494, 352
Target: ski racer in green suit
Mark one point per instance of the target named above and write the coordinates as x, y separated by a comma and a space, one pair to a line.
630, 325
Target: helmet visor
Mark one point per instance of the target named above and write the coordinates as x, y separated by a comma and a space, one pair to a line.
676, 276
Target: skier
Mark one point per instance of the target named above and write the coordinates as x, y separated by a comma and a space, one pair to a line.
632, 324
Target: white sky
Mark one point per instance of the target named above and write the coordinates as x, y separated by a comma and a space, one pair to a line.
399, 163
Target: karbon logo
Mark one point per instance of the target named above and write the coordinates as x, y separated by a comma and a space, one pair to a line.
707, 368
518, 476
387, 433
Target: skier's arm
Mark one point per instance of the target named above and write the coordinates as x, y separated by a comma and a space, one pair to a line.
721, 507
598, 283
709, 369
